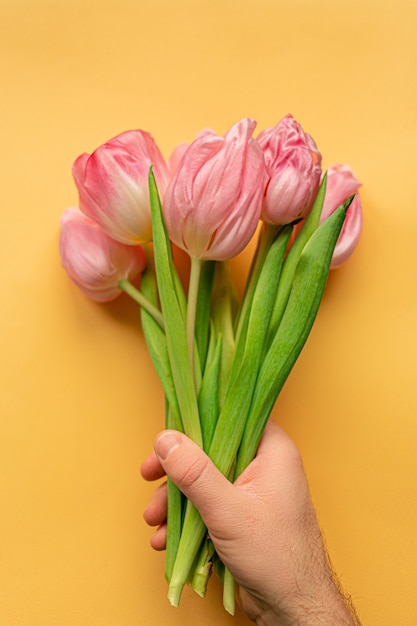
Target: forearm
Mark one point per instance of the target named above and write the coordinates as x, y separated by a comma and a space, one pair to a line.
330, 607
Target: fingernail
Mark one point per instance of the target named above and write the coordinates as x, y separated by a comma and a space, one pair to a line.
166, 443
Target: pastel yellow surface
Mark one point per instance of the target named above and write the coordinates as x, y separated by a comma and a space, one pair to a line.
80, 402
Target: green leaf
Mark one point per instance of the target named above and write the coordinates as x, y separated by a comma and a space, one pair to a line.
223, 307
175, 331
208, 399
247, 361
305, 296
293, 255
157, 345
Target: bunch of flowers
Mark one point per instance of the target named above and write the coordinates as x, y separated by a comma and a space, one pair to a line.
222, 361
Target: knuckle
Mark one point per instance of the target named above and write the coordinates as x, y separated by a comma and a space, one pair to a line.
193, 473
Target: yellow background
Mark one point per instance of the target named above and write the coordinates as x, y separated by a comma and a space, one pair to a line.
80, 403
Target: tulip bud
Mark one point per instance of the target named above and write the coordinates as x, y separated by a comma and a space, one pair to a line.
342, 183
213, 202
293, 165
94, 261
113, 185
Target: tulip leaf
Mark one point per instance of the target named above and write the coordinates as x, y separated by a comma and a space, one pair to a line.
175, 331
293, 255
208, 398
223, 307
308, 286
157, 346
247, 360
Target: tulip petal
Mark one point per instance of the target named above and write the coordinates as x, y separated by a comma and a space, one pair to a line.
95, 262
342, 183
212, 204
113, 185
293, 165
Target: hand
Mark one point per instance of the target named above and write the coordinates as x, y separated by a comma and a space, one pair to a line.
263, 526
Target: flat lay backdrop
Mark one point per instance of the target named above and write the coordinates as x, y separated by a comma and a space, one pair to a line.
80, 403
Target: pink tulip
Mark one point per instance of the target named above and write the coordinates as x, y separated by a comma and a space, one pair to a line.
176, 156
213, 202
94, 261
293, 165
342, 183
113, 185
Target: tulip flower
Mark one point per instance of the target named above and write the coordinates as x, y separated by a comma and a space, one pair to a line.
113, 185
293, 165
95, 262
176, 156
342, 183
213, 202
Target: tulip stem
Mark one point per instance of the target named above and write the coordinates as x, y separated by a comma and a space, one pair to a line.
229, 586
195, 273
136, 295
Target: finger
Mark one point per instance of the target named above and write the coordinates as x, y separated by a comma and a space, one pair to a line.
277, 456
151, 468
278, 450
159, 538
197, 477
273, 438
275, 447
156, 511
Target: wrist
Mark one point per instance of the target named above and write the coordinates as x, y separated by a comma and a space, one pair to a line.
330, 607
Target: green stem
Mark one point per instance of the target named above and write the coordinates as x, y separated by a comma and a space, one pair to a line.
136, 295
192, 536
203, 314
229, 587
174, 524
203, 567
195, 273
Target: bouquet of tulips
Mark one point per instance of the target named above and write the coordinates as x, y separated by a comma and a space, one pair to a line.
222, 361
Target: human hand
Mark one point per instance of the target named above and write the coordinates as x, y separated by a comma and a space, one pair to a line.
263, 526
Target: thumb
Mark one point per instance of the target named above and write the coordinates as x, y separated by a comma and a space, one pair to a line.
196, 476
